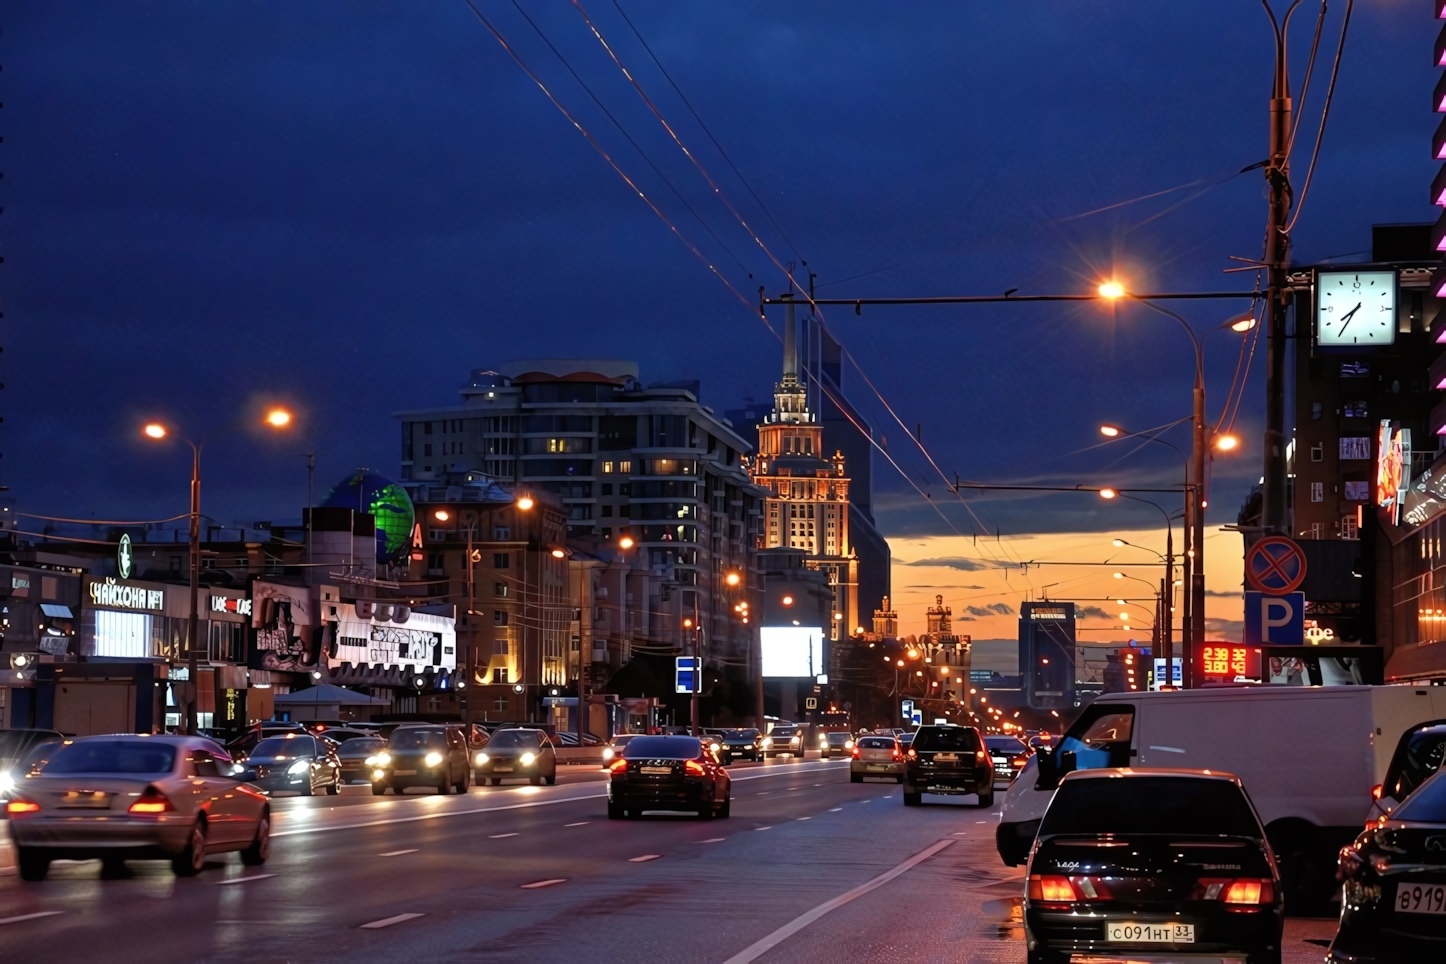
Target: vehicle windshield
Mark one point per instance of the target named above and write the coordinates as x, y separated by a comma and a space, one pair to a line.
663, 748
283, 748
1414, 763
948, 738
1427, 804
740, 734
1188, 806
1005, 744
416, 738
112, 756
838, 739
503, 739
361, 747
876, 743
784, 732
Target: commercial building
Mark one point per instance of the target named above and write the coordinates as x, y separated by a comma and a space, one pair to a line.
1047, 654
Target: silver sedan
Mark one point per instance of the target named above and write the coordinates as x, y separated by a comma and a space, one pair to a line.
124, 797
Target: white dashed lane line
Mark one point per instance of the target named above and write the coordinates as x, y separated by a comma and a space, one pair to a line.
709, 840
836, 810
389, 921
580, 823
643, 859
242, 880
397, 853
763, 828
42, 913
499, 836
544, 883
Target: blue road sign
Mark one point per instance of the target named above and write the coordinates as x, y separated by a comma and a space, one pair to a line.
1274, 620
686, 674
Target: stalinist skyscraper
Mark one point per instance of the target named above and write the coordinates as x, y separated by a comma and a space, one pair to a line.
808, 509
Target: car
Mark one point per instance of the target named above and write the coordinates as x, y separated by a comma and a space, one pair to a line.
1393, 898
241, 747
614, 747
125, 797
877, 755
1161, 862
337, 735
422, 756
835, 744
741, 744
357, 758
1010, 754
783, 739
293, 761
514, 753
668, 773
16, 747
1418, 755
944, 758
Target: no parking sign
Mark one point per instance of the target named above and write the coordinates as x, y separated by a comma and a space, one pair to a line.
1275, 566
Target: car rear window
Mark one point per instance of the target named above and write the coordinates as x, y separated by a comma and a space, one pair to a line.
1006, 744
663, 748
876, 743
1147, 804
946, 738
1416, 761
112, 756
1427, 804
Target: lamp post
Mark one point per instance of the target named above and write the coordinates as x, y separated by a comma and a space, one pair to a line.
157, 431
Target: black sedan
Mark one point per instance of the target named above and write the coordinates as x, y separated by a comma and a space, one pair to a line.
1393, 904
296, 761
1151, 862
422, 756
668, 773
943, 758
358, 758
517, 752
740, 744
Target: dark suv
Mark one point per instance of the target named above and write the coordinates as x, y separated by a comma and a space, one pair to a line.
948, 759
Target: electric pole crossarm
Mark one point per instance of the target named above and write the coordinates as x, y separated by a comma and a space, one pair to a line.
999, 299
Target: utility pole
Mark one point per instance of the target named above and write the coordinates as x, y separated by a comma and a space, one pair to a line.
194, 626
1277, 251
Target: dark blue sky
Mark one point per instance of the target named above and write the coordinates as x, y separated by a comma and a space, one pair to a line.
346, 206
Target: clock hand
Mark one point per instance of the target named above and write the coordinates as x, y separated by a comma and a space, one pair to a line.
1347, 319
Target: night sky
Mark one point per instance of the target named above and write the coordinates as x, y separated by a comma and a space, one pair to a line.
347, 206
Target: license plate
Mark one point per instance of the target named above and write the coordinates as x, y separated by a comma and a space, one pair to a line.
501, 769
85, 800
947, 757
1421, 899
1126, 933
878, 766
405, 773
659, 771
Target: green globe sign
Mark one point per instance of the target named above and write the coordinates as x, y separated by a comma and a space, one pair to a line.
386, 502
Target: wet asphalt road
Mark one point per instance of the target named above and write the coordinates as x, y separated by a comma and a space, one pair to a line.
540, 874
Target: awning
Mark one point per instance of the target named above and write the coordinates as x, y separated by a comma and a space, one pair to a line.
56, 611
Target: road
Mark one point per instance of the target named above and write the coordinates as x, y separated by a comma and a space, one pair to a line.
521, 873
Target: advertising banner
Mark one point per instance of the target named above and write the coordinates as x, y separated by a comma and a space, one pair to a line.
284, 630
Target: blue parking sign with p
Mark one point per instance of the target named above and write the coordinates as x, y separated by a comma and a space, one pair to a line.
1274, 620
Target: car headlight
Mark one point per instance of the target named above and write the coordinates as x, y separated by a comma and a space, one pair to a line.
379, 760
481, 759
848, 744
607, 753
379, 774
432, 759
715, 747
768, 741
300, 766
7, 782
527, 759
795, 739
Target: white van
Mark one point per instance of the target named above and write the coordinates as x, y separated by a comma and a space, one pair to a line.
1308, 756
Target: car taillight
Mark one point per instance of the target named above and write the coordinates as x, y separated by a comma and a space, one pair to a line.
1021, 760
1377, 791
912, 754
856, 753
618, 766
897, 754
1051, 888
981, 758
1235, 890
21, 806
152, 801
693, 768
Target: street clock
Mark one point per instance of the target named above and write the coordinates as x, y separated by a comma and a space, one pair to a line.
1355, 308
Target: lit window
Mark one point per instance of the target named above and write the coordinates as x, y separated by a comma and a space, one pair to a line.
607, 467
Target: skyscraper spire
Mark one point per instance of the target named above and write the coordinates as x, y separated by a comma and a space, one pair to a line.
790, 341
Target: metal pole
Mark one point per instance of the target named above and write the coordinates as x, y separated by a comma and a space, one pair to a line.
584, 656
1198, 502
696, 632
1167, 596
193, 632
1277, 250
310, 502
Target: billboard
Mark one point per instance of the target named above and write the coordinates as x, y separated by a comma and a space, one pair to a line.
792, 651
281, 616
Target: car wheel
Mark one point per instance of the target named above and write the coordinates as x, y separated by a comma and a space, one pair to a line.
495, 781
856, 778
192, 860
987, 799
615, 811
307, 790
461, 785
256, 854
912, 799
112, 868
33, 866
444, 786
378, 789
552, 780
727, 806
535, 781
334, 787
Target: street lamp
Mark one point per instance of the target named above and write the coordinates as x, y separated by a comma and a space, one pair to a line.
1108, 493
281, 418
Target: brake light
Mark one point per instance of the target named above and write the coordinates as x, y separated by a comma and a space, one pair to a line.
693, 768
152, 801
1377, 791
1238, 891
1021, 760
21, 806
1051, 888
856, 753
618, 766
912, 754
981, 758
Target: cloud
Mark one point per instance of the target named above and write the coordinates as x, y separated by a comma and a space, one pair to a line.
993, 609
1232, 594
961, 563
964, 619
1091, 612
1230, 630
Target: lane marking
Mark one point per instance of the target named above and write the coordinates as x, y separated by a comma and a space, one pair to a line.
643, 859
709, 840
387, 821
981, 821
761, 947
580, 823
805, 818
397, 853
764, 793
389, 921
544, 883
499, 836
763, 828
242, 880
42, 913
836, 810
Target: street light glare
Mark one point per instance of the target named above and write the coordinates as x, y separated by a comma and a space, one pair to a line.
1119, 575
441, 515
1243, 322
1118, 542
1108, 493
1227, 442
626, 542
278, 418
524, 503
1110, 431
155, 430
732, 579
558, 553
1112, 290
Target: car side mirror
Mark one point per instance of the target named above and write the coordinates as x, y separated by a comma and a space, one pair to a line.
1045, 763
1068, 763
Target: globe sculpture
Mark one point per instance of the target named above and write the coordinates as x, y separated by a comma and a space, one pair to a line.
385, 501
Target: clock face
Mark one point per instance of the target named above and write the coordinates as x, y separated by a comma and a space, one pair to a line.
1355, 308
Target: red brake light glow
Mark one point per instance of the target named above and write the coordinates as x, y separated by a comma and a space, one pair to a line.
1250, 891
1377, 791
856, 753
152, 801
1051, 888
21, 806
693, 768
618, 765
981, 758
912, 754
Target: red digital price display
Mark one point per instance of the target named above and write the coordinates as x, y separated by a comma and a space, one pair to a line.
1227, 661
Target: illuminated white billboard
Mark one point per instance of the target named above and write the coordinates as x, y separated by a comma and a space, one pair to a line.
792, 651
